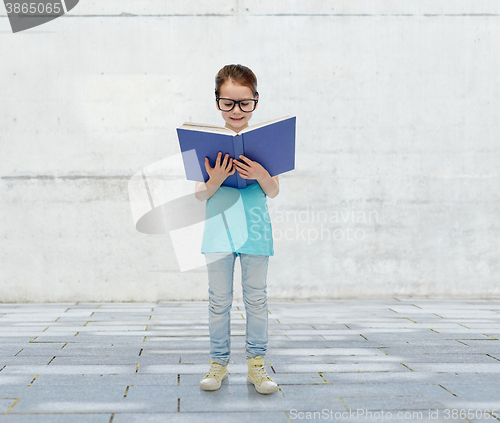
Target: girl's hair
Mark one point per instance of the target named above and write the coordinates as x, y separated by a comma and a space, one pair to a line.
237, 73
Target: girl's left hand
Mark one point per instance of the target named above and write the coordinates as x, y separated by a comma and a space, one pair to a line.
248, 169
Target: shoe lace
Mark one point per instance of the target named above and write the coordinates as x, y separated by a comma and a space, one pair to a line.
261, 374
215, 368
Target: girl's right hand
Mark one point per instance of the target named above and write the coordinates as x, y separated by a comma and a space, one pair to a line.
220, 171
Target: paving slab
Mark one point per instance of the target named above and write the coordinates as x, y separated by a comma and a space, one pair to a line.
101, 379
55, 418
142, 362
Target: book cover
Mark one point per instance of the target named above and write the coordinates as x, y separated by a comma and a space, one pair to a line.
272, 144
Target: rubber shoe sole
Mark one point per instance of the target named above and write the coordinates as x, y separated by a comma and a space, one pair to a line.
265, 387
212, 384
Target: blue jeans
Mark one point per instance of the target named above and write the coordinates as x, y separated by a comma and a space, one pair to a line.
220, 268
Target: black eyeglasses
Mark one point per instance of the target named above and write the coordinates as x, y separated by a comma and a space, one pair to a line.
226, 104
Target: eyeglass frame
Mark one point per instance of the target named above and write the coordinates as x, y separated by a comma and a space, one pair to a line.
237, 102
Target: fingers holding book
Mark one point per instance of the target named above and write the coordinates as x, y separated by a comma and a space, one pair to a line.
249, 169
220, 171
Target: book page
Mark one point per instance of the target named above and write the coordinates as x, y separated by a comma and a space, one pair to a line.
260, 125
203, 127
207, 128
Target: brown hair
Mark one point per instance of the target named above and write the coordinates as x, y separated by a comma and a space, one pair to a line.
237, 73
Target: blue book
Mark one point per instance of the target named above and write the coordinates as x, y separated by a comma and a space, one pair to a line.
272, 144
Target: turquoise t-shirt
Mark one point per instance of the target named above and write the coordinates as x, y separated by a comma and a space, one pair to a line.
238, 220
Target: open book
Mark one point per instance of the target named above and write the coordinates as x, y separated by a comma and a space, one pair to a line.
272, 144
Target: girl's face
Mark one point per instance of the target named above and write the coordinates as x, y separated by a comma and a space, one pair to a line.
236, 120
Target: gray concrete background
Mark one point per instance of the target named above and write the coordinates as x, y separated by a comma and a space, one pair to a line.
397, 108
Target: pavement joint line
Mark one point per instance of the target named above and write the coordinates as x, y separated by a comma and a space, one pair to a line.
463, 325
392, 310
137, 368
288, 418
493, 357
51, 360
57, 319
363, 336
64, 345
178, 379
343, 403
178, 405
380, 348
446, 389
462, 342
497, 418
13, 404
433, 330
77, 333
144, 340
406, 366
438, 315
492, 337
126, 391
140, 352
323, 378
112, 417
18, 352
3, 367
33, 339
31, 383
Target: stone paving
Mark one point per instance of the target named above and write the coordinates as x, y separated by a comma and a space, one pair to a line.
347, 360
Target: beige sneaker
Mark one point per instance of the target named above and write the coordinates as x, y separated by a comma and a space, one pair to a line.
213, 378
258, 376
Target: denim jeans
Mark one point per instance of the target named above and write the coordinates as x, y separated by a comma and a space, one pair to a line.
220, 268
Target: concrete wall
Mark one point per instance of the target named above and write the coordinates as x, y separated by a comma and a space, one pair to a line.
397, 106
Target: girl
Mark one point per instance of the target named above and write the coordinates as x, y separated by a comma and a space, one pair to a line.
250, 229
